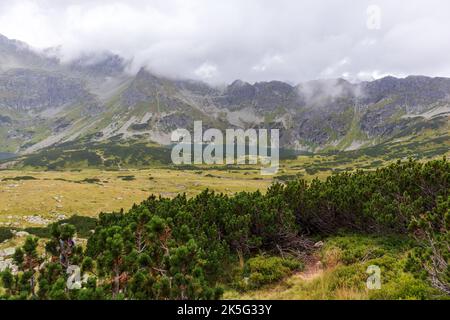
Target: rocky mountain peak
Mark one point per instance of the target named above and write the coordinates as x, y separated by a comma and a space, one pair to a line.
17, 54
103, 64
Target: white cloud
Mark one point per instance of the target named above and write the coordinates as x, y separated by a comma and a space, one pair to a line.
268, 62
372, 75
206, 71
334, 69
252, 40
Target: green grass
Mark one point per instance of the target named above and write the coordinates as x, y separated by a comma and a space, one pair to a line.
342, 273
20, 178
88, 192
261, 270
83, 226
5, 234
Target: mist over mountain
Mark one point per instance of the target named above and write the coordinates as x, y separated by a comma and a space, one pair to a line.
45, 102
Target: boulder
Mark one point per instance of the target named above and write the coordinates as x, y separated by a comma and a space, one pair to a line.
22, 234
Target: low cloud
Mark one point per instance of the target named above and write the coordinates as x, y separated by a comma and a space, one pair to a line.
253, 40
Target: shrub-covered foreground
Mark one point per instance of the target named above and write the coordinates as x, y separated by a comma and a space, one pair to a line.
342, 273
185, 248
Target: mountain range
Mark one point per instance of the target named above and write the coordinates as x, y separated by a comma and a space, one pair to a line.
46, 103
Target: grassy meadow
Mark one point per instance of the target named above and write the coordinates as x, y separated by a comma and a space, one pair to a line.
89, 192
31, 198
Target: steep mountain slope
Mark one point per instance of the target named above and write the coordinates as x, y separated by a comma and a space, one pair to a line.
44, 102
17, 54
38, 104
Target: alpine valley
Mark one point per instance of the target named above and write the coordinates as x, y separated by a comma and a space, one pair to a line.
96, 103
359, 208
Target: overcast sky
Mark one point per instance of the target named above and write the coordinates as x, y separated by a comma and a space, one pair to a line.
254, 40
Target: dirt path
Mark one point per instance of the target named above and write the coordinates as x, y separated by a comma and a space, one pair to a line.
313, 270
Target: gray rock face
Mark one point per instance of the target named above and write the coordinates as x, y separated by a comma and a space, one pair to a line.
197, 88
238, 95
17, 54
144, 88
263, 96
105, 64
413, 91
5, 120
30, 90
